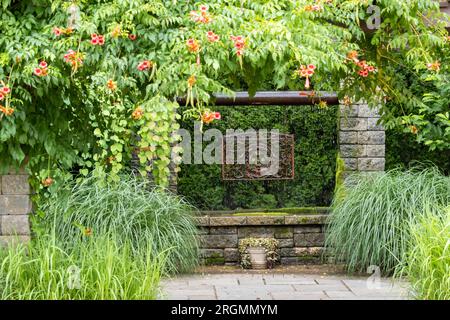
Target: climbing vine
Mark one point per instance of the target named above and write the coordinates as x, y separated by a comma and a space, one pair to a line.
85, 85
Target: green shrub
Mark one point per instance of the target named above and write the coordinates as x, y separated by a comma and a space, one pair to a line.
315, 132
370, 225
129, 209
427, 264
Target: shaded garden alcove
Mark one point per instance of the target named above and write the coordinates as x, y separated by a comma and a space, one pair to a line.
321, 128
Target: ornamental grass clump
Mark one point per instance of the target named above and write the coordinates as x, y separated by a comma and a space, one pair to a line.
100, 268
101, 240
427, 264
370, 223
130, 209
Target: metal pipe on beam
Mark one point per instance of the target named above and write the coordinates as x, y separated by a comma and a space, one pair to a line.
276, 98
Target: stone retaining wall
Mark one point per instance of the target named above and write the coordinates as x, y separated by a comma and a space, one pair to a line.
301, 237
15, 206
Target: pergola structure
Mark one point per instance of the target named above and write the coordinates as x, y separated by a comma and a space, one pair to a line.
275, 98
361, 138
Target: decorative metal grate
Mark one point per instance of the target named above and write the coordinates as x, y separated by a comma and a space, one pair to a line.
258, 158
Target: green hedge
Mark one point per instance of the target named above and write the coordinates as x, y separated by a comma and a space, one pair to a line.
315, 133
402, 150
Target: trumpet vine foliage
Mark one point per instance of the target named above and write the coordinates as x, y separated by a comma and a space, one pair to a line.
85, 84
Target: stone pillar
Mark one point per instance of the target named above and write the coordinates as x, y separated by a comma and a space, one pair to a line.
15, 207
361, 139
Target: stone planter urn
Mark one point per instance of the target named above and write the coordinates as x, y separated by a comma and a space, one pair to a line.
258, 257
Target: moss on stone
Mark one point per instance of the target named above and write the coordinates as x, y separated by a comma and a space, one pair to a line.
215, 255
284, 232
304, 210
303, 220
214, 260
284, 211
259, 214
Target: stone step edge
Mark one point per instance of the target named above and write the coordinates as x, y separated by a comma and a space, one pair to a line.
232, 221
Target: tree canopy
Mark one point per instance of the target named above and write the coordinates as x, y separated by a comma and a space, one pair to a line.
86, 83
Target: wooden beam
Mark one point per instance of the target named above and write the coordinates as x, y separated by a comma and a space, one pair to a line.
275, 98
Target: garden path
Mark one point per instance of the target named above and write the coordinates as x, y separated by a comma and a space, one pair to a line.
276, 286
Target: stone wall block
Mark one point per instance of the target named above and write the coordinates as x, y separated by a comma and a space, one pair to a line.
264, 220
308, 229
351, 164
211, 253
309, 239
371, 164
372, 137
202, 221
202, 230
231, 255
15, 225
15, 185
223, 230
285, 243
306, 219
372, 124
353, 124
256, 232
349, 111
376, 151
227, 221
15, 205
218, 241
364, 111
353, 150
284, 232
301, 252
348, 137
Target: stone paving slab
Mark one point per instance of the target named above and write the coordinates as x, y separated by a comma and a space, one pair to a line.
276, 286
251, 281
270, 288
291, 281
299, 296
317, 287
339, 294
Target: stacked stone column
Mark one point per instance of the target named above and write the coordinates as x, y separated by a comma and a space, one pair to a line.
15, 207
361, 139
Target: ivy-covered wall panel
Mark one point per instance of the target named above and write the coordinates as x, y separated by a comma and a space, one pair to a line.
315, 131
